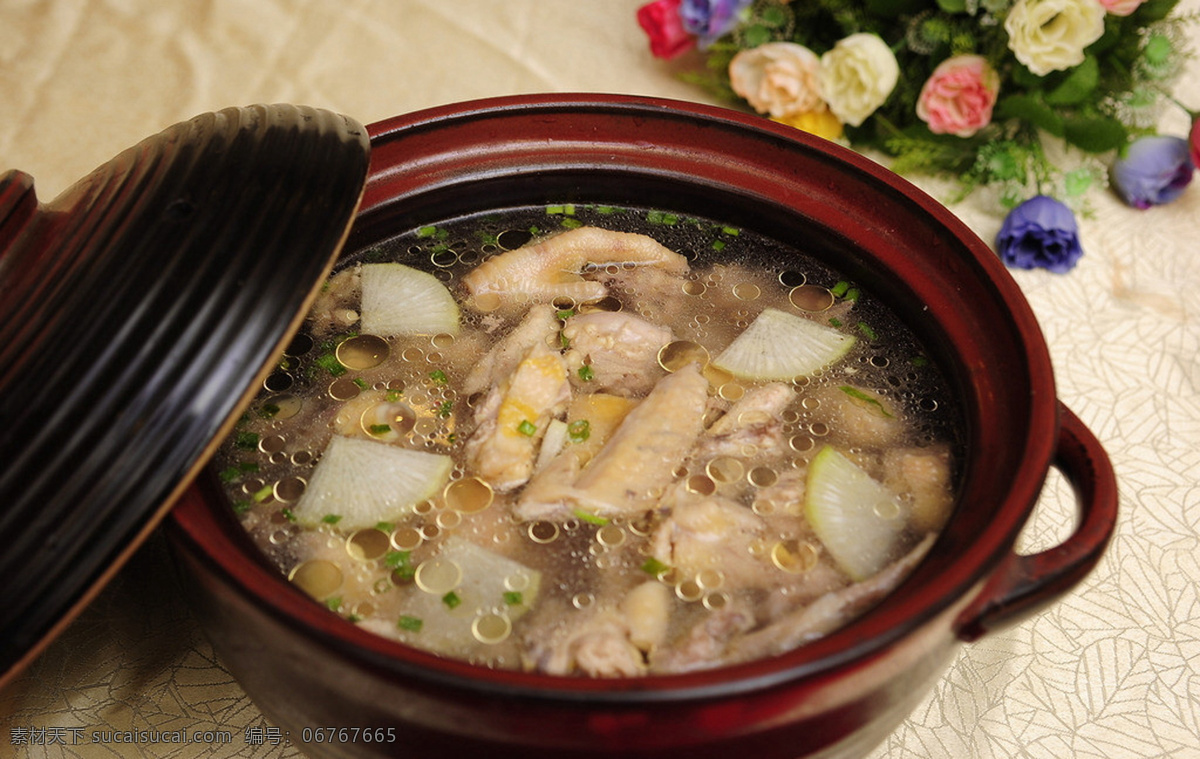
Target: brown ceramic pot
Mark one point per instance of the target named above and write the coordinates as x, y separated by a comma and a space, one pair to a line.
308, 668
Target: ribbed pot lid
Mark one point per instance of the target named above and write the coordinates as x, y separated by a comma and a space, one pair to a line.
139, 312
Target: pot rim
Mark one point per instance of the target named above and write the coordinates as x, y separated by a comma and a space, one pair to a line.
230, 552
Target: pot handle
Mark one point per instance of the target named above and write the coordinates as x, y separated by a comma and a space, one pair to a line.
1022, 585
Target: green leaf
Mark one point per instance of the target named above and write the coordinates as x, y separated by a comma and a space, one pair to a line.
1095, 134
1078, 86
1154, 10
952, 6
1032, 110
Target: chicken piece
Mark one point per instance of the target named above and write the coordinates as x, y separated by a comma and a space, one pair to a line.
859, 417
619, 349
826, 614
712, 533
552, 268
703, 645
334, 307
922, 477
565, 641
539, 326
512, 419
647, 612
630, 471
549, 491
752, 426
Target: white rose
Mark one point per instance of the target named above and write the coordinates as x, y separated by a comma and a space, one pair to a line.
779, 78
857, 76
1050, 35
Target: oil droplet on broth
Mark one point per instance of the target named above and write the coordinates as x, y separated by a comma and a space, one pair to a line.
362, 352
811, 298
344, 389
794, 558
368, 545
290, 489
468, 495
438, 575
491, 628
318, 578
407, 538
725, 470
678, 354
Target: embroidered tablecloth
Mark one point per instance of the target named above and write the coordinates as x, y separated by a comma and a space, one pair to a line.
1112, 671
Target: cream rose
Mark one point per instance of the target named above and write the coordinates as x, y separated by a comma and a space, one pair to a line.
779, 78
1050, 35
857, 76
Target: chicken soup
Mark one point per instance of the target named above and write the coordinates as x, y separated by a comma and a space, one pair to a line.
586, 440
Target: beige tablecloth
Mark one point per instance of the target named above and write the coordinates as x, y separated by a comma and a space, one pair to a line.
1111, 671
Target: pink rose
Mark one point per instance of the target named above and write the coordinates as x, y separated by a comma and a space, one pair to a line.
958, 97
1121, 7
664, 26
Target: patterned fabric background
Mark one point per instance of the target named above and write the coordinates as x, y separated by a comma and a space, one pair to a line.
1110, 672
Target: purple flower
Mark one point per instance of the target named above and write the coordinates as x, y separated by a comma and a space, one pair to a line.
1154, 171
1040, 233
710, 20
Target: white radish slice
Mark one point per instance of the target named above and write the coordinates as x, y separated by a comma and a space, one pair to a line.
366, 482
401, 300
782, 346
858, 520
467, 595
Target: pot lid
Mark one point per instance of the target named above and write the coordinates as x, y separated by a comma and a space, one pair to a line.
139, 311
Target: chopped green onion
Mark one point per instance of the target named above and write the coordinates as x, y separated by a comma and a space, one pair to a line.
852, 293
360, 382
242, 506
428, 231
287, 514
859, 395
451, 600
247, 441
331, 518
563, 340
653, 566
565, 313
411, 624
334, 603
513, 598
268, 410
840, 288
329, 363
264, 493
590, 518
229, 474
718, 245
526, 428
920, 361
572, 223
379, 429
385, 526
866, 329
393, 395
444, 408
586, 373
438, 376
606, 210
401, 563
579, 430
733, 231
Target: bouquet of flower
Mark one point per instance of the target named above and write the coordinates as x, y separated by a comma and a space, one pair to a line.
972, 89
